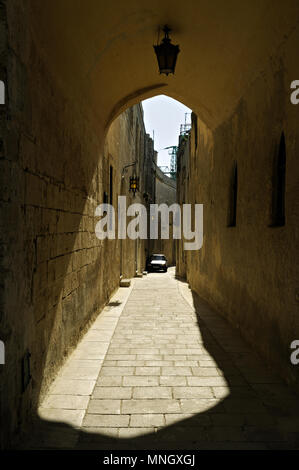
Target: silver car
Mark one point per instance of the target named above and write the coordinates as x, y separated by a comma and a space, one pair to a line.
157, 262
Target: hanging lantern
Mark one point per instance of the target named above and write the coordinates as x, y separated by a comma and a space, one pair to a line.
166, 53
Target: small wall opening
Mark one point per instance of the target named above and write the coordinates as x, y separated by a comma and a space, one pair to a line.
2, 92
233, 197
278, 188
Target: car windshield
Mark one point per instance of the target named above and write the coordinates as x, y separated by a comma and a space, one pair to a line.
158, 257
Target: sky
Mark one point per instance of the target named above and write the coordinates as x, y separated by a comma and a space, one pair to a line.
164, 115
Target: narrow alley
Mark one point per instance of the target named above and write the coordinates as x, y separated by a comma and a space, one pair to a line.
137, 136
159, 369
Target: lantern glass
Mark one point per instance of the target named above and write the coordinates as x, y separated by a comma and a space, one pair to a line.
134, 184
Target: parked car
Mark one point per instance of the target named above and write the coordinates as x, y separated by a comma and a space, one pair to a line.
157, 262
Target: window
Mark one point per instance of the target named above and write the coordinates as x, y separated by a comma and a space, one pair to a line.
158, 258
279, 179
111, 185
195, 128
111, 196
131, 119
233, 196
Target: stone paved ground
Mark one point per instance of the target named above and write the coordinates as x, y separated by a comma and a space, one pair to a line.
160, 369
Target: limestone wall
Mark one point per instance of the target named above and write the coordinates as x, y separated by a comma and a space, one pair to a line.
249, 271
183, 161
55, 274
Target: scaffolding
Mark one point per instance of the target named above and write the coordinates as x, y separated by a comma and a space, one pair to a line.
186, 127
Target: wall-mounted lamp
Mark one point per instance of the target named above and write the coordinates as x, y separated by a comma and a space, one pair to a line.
134, 184
166, 53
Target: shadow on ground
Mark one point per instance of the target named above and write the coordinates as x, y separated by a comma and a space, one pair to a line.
259, 411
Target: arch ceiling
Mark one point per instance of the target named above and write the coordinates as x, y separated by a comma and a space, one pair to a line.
102, 50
